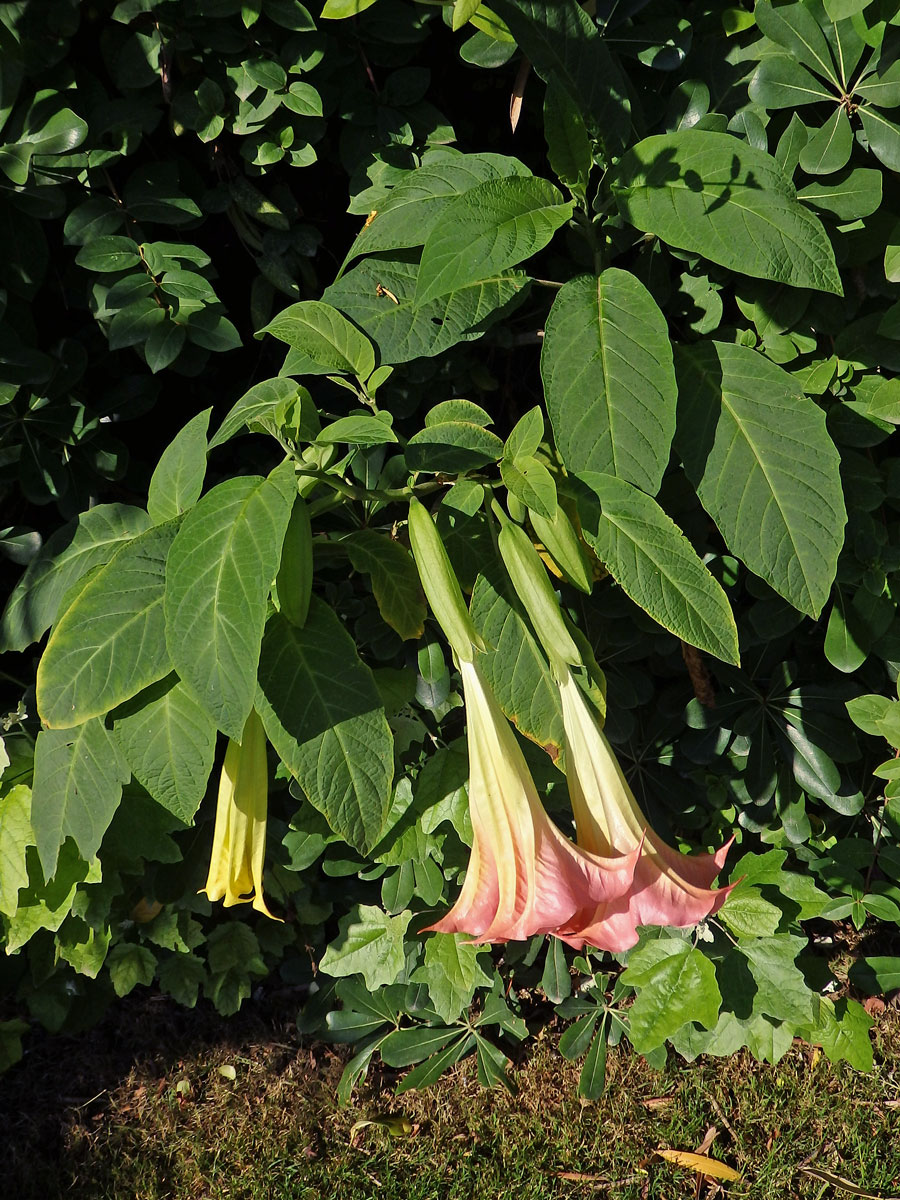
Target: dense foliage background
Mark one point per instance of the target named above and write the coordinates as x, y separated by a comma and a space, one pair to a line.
686, 258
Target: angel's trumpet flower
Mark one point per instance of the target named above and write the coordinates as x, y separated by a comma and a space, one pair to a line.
524, 876
239, 841
668, 888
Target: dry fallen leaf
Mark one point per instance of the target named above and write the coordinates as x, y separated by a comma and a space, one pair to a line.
708, 1138
844, 1185
700, 1163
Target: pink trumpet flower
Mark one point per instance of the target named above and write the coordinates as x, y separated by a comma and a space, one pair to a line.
524, 876
668, 888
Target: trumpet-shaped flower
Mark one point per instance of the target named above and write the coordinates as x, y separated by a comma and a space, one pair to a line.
668, 888
524, 876
239, 840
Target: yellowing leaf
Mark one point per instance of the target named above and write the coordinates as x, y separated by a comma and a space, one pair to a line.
699, 1163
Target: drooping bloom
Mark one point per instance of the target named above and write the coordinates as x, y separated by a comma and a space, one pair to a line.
524, 876
668, 888
239, 841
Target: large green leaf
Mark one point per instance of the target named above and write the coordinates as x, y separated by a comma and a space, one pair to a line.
565, 46
515, 665
853, 194
369, 943
322, 712
883, 136
451, 972
608, 377
177, 481
78, 777
783, 82
676, 984
380, 296
220, 569
764, 467
260, 403
718, 196
110, 642
86, 542
320, 331
795, 29
413, 208
169, 742
654, 563
486, 230
395, 580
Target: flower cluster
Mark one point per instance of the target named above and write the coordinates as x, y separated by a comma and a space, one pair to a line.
525, 876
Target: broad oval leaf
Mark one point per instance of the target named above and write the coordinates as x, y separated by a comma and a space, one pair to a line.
380, 296
783, 82
110, 642
608, 377
717, 196
261, 403
322, 712
169, 742
764, 467
414, 207
86, 542
78, 777
487, 229
654, 563
177, 481
395, 580
220, 569
320, 331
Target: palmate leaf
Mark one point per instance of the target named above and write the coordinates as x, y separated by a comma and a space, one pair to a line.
322, 712
608, 377
765, 469
719, 197
110, 642
219, 572
486, 230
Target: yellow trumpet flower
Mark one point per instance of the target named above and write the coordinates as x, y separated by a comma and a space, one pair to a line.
239, 841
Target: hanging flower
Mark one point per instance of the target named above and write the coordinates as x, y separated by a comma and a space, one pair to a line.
524, 876
239, 840
668, 888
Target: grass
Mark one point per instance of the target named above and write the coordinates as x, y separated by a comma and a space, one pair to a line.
106, 1116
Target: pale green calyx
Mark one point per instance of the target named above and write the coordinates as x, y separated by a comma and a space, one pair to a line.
534, 590
441, 585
